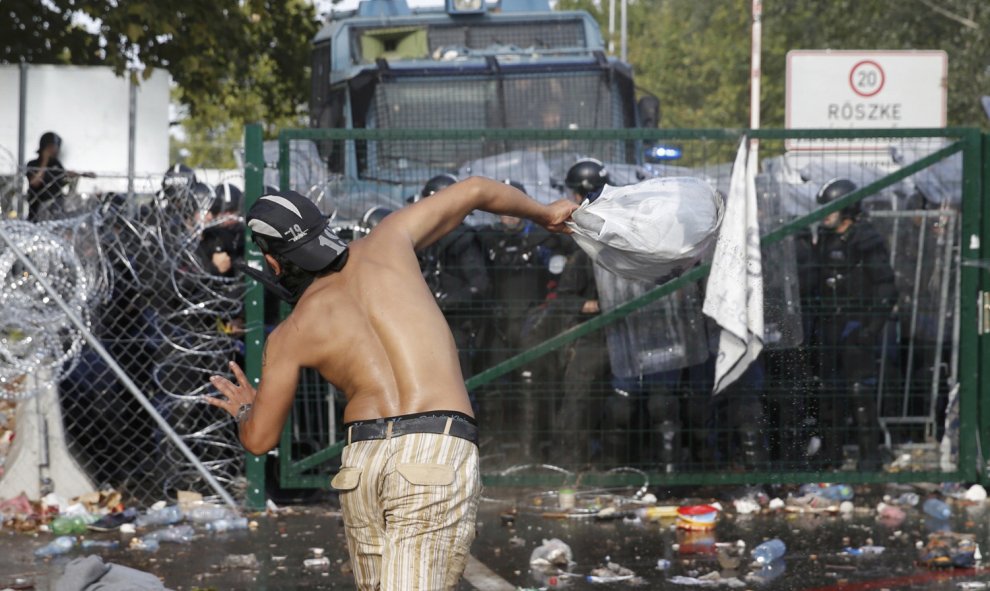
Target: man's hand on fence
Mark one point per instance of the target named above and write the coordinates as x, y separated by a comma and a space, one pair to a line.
235, 399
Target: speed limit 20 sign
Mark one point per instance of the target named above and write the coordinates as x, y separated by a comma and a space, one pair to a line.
866, 89
866, 78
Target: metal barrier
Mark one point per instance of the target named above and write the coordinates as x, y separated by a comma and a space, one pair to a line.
540, 371
115, 298
547, 380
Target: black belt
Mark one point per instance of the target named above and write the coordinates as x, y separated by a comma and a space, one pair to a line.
385, 428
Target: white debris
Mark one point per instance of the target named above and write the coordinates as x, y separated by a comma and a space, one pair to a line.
746, 506
552, 552
976, 494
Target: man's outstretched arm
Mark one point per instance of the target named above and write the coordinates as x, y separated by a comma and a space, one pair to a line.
261, 413
427, 220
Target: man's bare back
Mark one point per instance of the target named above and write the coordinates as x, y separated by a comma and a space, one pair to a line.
392, 353
373, 328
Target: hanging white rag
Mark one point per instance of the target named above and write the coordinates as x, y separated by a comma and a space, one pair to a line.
734, 296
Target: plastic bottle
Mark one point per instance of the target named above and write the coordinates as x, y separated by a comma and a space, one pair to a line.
768, 572
167, 516
937, 508
58, 546
908, 499
832, 492
180, 534
222, 525
769, 551
149, 545
105, 544
69, 525
208, 513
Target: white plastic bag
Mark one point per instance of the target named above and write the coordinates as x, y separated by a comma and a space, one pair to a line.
552, 552
652, 230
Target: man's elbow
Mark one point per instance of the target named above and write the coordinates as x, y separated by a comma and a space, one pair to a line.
258, 446
474, 188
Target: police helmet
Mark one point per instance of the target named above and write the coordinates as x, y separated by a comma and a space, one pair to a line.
202, 196
227, 200
441, 181
836, 189
178, 179
373, 217
515, 184
586, 176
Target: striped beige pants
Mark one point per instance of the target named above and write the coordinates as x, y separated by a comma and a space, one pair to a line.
409, 506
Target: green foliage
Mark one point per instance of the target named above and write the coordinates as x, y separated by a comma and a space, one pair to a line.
232, 60
35, 32
270, 85
695, 54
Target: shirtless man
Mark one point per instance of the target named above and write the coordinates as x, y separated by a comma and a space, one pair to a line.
366, 320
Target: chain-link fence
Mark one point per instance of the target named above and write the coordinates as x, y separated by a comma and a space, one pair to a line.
862, 360
151, 279
567, 366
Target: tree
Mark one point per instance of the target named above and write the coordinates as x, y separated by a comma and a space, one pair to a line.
695, 54
270, 86
232, 60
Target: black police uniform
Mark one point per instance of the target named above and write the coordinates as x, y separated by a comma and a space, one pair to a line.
857, 294
454, 269
518, 261
584, 364
519, 266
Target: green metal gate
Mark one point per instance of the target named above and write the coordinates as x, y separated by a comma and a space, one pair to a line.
950, 162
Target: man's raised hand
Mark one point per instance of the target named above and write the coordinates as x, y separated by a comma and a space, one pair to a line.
557, 213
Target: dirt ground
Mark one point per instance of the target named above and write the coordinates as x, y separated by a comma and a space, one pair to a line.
510, 527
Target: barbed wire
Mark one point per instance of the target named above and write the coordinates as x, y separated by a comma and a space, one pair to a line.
138, 272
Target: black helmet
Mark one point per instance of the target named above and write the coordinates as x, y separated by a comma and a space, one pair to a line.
515, 184
835, 189
179, 178
441, 181
202, 195
373, 217
227, 200
586, 176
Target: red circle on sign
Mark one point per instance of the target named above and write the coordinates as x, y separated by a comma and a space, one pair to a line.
852, 78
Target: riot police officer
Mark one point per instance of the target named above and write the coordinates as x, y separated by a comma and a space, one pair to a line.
584, 362
223, 235
586, 177
523, 259
857, 296
518, 253
454, 269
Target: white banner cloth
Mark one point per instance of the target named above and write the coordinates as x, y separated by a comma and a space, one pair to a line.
734, 296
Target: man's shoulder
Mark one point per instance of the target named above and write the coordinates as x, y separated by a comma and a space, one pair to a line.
34, 163
299, 329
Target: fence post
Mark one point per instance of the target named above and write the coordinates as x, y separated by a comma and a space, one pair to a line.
983, 380
254, 302
972, 351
